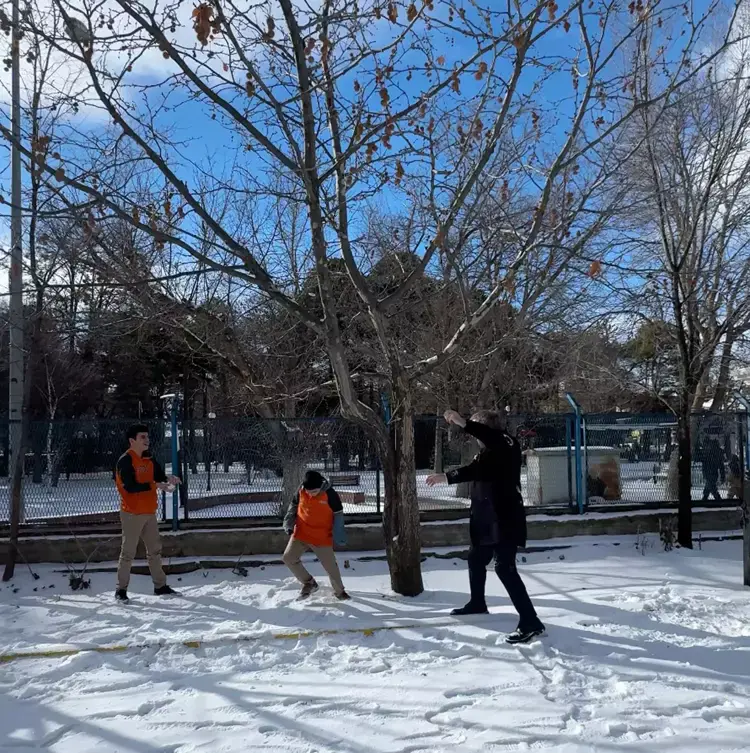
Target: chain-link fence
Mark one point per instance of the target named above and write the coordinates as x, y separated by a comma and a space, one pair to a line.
633, 458
69, 469
248, 469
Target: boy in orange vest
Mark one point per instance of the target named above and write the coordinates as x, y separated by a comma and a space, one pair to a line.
315, 521
139, 479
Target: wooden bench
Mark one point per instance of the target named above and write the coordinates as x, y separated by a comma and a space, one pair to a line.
270, 498
93, 518
240, 498
344, 479
352, 498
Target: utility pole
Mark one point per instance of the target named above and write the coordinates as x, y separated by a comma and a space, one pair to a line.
15, 361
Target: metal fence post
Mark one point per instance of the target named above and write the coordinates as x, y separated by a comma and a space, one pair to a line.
377, 487
741, 439
184, 488
568, 445
742, 436
585, 473
386, 406
745, 403
175, 467
580, 481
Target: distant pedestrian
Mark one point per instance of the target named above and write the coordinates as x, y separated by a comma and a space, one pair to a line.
712, 462
314, 522
497, 519
735, 477
139, 478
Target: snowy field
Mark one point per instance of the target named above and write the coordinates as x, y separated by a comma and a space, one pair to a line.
643, 653
96, 493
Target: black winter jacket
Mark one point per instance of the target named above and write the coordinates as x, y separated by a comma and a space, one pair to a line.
497, 511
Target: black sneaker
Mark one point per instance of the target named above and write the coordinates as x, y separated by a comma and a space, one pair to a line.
470, 609
525, 635
121, 595
165, 591
309, 588
343, 596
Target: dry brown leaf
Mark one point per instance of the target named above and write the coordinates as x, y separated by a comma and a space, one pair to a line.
203, 22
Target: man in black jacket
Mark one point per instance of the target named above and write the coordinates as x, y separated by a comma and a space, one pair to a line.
712, 462
497, 519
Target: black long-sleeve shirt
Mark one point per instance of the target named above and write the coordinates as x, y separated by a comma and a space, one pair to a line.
497, 512
126, 471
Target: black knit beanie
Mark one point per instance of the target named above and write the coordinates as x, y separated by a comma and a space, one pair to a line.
313, 480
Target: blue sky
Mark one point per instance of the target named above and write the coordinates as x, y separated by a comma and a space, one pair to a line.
211, 140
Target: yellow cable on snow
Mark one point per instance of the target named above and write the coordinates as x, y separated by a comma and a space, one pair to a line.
197, 644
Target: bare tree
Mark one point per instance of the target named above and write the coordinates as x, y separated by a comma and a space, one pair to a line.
689, 263
348, 103
44, 104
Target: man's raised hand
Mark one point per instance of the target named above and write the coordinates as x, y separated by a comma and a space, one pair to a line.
436, 479
454, 417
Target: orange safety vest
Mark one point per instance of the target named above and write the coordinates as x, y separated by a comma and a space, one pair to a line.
139, 503
314, 524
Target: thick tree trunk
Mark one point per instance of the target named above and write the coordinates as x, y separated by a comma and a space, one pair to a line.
723, 378
342, 450
745, 524
673, 476
746, 536
294, 467
684, 476
16, 469
401, 509
701, 391
16, 492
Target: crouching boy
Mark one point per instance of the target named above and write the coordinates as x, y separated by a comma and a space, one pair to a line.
315, 520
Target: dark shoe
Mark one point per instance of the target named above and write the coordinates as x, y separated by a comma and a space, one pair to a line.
470, 609
525, 634
121, 595
343, 596
309, 588
165, 591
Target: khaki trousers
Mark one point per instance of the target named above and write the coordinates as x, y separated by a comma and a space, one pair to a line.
293, 560
134, 528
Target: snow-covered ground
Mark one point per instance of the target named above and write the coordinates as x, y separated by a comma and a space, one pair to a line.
644, 653
96, 493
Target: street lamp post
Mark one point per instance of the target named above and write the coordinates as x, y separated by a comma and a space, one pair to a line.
207, 440
172, 400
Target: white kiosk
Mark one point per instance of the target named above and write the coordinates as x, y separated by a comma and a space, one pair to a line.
547, 474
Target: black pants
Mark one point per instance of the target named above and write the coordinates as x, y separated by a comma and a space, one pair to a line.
711, 488
505, 567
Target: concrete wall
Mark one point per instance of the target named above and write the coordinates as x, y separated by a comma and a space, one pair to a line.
362, 538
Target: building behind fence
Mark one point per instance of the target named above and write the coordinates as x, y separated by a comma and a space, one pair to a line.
236, 468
